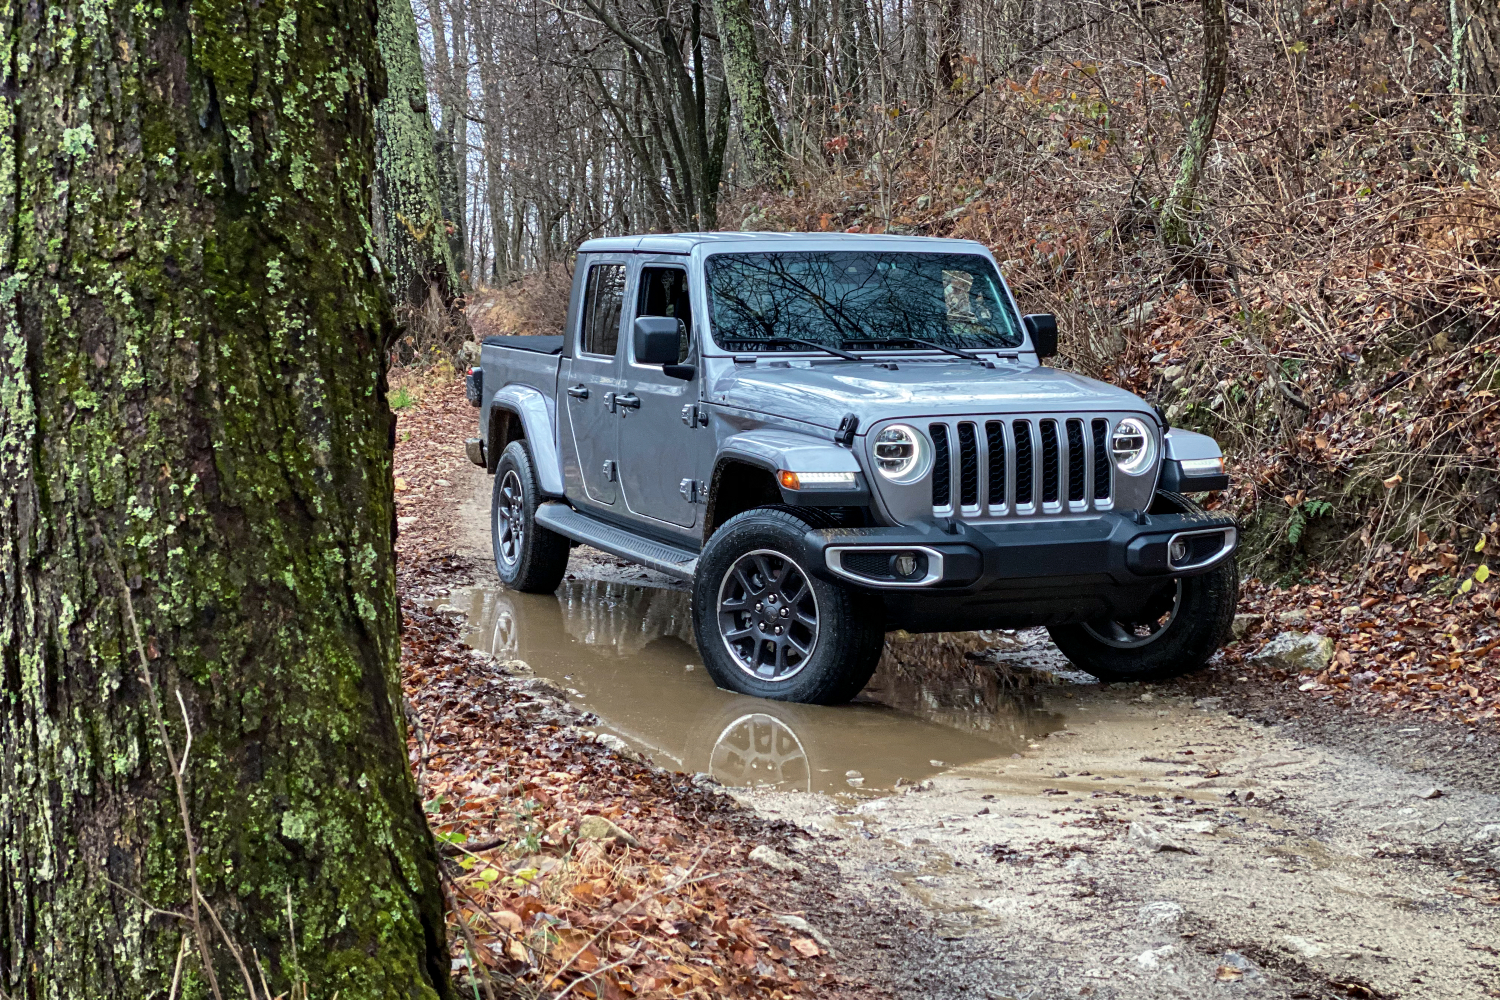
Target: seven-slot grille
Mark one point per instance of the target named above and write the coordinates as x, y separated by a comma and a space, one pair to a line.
1004, 467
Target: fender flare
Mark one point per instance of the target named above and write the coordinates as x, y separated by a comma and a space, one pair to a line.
535, 412
775, 450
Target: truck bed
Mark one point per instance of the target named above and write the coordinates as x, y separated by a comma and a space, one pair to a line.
539, 344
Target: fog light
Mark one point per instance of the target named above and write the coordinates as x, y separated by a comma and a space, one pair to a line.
1177, 552
904, 564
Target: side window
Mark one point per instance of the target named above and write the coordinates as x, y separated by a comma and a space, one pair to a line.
602, 298
664, 292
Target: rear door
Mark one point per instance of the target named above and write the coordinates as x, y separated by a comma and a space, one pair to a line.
659, 434
589, 382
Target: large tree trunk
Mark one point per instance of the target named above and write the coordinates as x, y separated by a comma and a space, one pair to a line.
410, 221
1478, 33
949, 35
759, 135
1182, 201
195, 488
451, 147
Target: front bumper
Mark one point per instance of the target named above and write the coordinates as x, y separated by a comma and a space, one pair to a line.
1016, 575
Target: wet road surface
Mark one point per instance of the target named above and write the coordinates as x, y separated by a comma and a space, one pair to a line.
626, 653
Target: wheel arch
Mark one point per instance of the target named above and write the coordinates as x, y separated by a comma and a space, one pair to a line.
738, 484
522, 413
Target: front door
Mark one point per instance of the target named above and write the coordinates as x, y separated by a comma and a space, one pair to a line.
659, 432
590, 382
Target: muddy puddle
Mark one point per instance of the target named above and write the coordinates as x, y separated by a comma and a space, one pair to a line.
626, 653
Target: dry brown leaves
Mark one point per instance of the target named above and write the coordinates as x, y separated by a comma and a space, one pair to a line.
548, 912
544, 912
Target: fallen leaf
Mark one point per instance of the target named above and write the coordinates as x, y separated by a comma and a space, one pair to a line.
806, 947
1229, 974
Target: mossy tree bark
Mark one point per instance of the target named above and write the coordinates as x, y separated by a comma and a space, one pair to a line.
194, 431
411, 225
760, 138
1182, 201
1475, 29
451, 146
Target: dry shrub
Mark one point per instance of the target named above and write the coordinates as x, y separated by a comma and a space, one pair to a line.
430, 333
534, 304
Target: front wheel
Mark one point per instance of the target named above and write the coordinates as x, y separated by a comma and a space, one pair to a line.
766, 627
528, 557
1179, 628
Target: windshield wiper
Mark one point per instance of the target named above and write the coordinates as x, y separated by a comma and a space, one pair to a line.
957, 352
805, 343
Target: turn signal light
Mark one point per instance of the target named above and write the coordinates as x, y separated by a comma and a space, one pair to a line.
816, 480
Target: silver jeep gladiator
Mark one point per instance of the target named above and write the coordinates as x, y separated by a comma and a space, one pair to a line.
835, 436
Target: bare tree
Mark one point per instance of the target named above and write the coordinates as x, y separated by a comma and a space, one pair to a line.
1182, 201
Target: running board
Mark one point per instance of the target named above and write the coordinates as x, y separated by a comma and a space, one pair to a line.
663, 558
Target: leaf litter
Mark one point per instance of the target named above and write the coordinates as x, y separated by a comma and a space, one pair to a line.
545, 899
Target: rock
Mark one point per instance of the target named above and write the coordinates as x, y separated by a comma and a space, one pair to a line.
1148, 697
702, 779
612, 741
1296, 616
796, 923
601, 828
1151, 960
921, 786
1431, 793
1245, 624
1303, 948
1295, 653
1211, 704
1163, 911
1141, 314
1202, 826
772, 858
1487, 834
1154, 840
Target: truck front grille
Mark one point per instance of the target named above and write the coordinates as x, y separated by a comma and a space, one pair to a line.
1050, 465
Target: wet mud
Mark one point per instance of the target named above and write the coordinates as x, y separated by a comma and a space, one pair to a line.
626, 654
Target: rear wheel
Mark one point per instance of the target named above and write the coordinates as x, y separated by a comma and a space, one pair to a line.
1176, 631
528, 557
767, 627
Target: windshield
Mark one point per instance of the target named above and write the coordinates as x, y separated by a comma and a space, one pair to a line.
857, 299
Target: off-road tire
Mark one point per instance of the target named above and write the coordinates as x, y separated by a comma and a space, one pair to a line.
535, 565
1202, 623
849, 634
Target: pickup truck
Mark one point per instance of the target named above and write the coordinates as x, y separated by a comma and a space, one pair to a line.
835, 436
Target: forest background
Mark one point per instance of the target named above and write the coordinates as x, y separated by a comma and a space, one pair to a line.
1275, 220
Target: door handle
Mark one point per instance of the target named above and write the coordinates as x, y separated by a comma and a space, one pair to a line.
578, 391
630, 400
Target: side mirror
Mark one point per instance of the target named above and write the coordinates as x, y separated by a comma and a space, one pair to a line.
657, 340
1043, 330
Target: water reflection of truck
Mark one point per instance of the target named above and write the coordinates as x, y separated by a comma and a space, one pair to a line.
627, 651
833, 437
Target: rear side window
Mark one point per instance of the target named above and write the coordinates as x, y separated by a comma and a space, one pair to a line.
664, 292
602, 298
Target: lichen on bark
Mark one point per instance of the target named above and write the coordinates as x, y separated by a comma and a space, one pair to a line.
411, 227
192, 331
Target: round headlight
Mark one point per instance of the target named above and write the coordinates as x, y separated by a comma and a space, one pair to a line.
902, 453
1132, 446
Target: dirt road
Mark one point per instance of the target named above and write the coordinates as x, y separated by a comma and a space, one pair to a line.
988, 823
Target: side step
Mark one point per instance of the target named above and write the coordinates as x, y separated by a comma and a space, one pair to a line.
663, 558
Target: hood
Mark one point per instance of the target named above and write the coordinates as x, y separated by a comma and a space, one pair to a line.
821, 394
